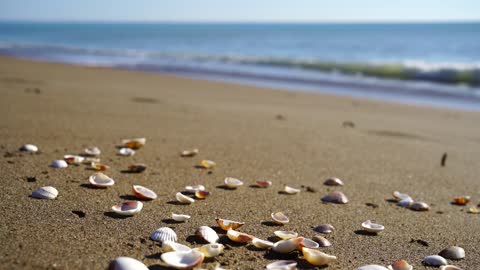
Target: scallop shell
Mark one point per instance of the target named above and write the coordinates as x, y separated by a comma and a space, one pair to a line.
324, 228
29, 148
462, 200
134, 143
263, 244
183, 259
125, 151
226, 224
239, 237
291, 190
284, 235
282, 265
453, 253
316, 257
372, 267
202, 194
92, 151
126, 263
73, 159
264, 184
450, 267
143, 192
335, 197
407, 202
183, 198
280, 218
208, 234
287, 246
322, 241
169, 245
333, 182
47, 192
195, 188
100, 180
211, 250
434, 260
372, 227
164, 234
180, 217
99, 167
400, 196
400, 265
231, 182
208, 164
189, 153
308, 243
137, 168
128, 208
420, 206
59, 164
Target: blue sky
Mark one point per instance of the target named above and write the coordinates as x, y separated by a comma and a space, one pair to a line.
241, 10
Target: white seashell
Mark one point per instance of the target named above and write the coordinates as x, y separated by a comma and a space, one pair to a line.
180, 217
434, 260
400, 265
284, 235
208, 234
134, 143
308, 243
164, 234
282, 265
400, 196
73, 159
128, 208
453, 253
372, 267
211, 250
195, 188
264, 184
59, 164
126, 263
335, 197
29, 148
143, 192
420, 206
316, 257
239, 237
333, 182
100, 180
263, 244
92, 151
125, 151
189, 153
324, 228
169, 245
183, 259
280, 218
231, 182
183, 198
372, 227
287, 246
291, 190
47, 192
227, 224
407, 202
450, 267
322, 241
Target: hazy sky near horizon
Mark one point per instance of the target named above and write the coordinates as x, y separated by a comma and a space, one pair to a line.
241, 10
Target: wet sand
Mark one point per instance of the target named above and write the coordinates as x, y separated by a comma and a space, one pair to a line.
290, 138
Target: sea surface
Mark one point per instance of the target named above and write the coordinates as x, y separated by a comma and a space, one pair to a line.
432, 64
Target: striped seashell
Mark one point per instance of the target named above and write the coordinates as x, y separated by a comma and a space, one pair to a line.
164, 234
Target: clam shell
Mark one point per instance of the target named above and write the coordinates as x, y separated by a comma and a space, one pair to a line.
208, 164
231, 182
47, 192
324, 228
125, 151
322, 241
29, 148
100, 180
183, 198
99, 167
450, 267
189, 153
180, 217
92, 151
282, 265
202, 194
407, 202
264, 184
59, 164
453, 253
287, 246
239, 237
335, 197
226, 224
195, 188
143, 192
137, 168
280, 218
400, 265
73, 159
420, 206
291, 190
183, 259
462, 200
434, 260
308, 243
473, 210
284, 235
211, 250
134, 143
372, 227
208, 234
372, 267
168, 245
263, 244
333, 182
316, 257
400, 196
126, 263
164, 234
128, 208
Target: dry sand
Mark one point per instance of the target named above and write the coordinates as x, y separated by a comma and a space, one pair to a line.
392, 147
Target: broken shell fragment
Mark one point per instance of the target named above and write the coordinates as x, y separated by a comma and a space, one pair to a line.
143, 193
324, 228
287, 246
335, 197
322, 241
453, 253
316, 257
280, 218
202, 194
126, 263
372, 267
183, 259
263, 184
308, 243
284, 235
59, 164
211, 250
239, 237
125, 151
434, 260
92, 151
137, 168
333, 182
226, 224
99, 167
473, 210
400, 196
231, 182
73, 159
291, 190
282, 265
164, 234
195, 188
400, 265
169, 245
208, 164
263, 244
180, 217
47, 192
420, 206
370, 227
29, 148
184, 198
134, 143
189, 153
128, 208
463, 200
100, 180
208, 234
90, 160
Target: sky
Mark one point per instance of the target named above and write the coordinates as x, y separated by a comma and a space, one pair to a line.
241, 10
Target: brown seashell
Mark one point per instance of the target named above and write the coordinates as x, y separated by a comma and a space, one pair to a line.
134, 143
322, 241
226, 224
453, 253
202, 194
333, 182
463, 200
400, 265
335, 197
137, 168
324, 228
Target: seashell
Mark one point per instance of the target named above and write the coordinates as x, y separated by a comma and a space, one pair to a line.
169, 245
208, 234
99, 167
73, 159
128, 208
231, 182
400, 265
100, 180
239, 237
280, 218
372, 227
322, 241
47, 192
90, 160
127, 152
316, 257
264, 184
284, 235
59, 164
137, 168
333, 182
183, 198
211, 250
189, 153
420, 206
463, 200
372, 267
164, 234
180, 217
335, 197
143, 193
92, 151
287, 246
183, 259
195, 188
434, 260
134, 143
400, 196
226, 224
450, 267
407, 202
453, 253
308, 243
282, 265
29, 148
324, 228
263, 244
473, 210
291, 190
202, 194
208, 164
126, 263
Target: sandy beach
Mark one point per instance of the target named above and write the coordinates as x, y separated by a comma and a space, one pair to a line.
290, 138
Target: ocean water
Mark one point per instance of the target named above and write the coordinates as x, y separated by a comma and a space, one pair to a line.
434, 64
